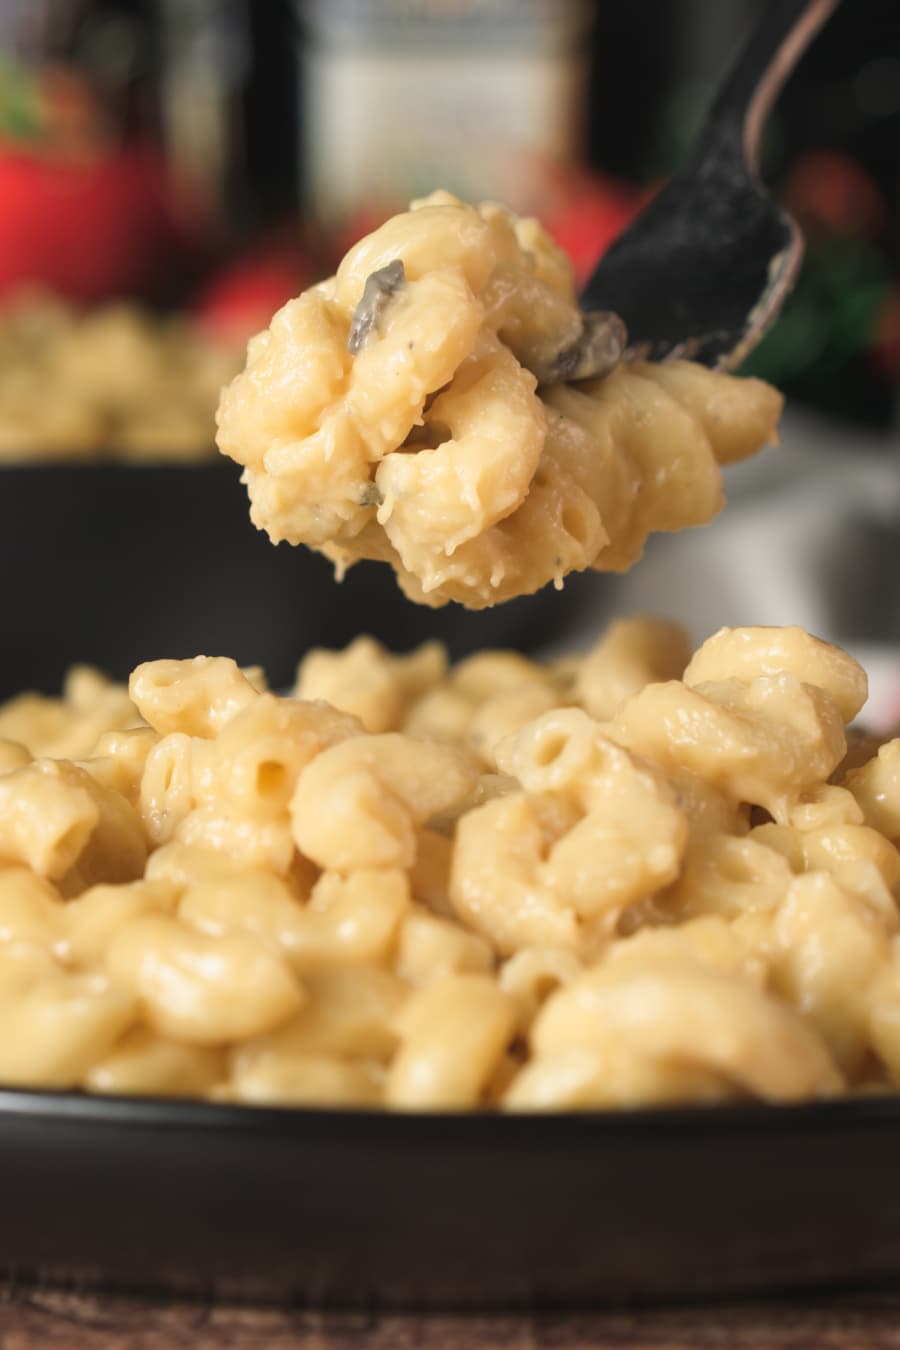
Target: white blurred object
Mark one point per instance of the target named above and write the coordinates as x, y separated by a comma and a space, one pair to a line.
404, 95
206, 50
882, 665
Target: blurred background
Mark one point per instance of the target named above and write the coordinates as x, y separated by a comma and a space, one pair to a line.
171, 171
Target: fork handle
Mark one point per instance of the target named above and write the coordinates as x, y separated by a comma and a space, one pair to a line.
746, 95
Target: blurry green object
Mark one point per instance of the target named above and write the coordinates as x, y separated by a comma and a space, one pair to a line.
828, 347
21, 105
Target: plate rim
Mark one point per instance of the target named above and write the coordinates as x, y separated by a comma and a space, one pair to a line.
56, 1106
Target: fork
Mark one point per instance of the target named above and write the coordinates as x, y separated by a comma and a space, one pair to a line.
705, 268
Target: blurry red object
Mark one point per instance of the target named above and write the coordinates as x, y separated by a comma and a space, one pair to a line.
89, 229
886, 352
588, 213
243, 296
828, 191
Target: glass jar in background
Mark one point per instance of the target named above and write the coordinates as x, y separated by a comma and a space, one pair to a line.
482, 97
205, 61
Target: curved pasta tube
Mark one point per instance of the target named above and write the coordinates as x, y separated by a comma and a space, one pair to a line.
304, 1080
830, 947
489, 682
247, 840
48, 812
764, 743
737, 415
13, 756
67, 727
584, 1077
497, 885
534, 320
358, 803
56, 819
453, 1036
876, 787
505, 561
262, 752
166, 793
392, 377
31, 910
552, 264
54, 1031
434, 500
24, 965
827, 833
502, 716
631, 653
295, 370
429, 947
196, 697
116, 850
710, 940
369, 682
667, 449
533, 974
315, 489
247, 775
686, 1014
519, 875
441, 231
147, 1065
90, 921
745, 654
729, 876
118, 760
623, 802
349, 1013
202, 989
350, 920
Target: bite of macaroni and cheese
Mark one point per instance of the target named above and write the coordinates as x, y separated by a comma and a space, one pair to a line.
405, 410
629, 878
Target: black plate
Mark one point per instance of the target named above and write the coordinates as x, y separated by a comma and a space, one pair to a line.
359, 1208
115, 564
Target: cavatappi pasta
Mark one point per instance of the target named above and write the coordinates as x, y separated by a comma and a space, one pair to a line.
629, 878
405, 411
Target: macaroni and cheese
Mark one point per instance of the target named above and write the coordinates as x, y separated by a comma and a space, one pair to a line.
115, 383
407, 410
630, 878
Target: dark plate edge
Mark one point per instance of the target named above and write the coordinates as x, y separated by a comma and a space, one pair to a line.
171, 1113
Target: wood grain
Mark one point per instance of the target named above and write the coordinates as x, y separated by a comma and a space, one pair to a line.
67, 1321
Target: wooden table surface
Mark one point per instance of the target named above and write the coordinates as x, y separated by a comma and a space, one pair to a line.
67, 1321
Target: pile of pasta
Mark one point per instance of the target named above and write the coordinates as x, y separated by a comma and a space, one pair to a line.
115, 382
406, 410
627, 878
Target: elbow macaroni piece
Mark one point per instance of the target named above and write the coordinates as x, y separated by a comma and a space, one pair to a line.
368, 682
520, 876
626, 878
392, 412
453, 1034
683, 1014
358, 803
